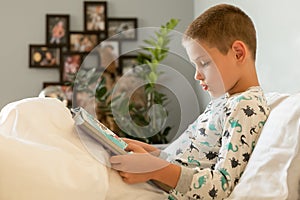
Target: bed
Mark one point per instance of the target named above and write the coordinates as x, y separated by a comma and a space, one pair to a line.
42, 157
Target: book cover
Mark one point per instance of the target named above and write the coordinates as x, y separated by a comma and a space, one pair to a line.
92, 127
108, 139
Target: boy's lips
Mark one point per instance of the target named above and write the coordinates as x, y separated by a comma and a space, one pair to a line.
204, 87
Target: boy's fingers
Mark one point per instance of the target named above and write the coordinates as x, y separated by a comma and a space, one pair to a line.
135, 148
117, 167
116, 162
127, 140
131, 147
116, 159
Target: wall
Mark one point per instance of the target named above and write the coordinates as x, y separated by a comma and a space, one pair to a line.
23, 23
278, 31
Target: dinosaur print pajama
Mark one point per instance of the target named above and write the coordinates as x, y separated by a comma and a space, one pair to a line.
214, 151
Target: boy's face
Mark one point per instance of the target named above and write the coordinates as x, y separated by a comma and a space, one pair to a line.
215, 71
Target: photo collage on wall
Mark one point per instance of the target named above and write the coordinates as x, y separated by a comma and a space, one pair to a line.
66, 49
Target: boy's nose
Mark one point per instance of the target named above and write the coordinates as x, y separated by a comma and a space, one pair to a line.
199, 76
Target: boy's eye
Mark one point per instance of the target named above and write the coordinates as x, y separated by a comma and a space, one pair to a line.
203, 63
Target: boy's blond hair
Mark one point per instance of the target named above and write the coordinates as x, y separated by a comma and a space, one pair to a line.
220, 26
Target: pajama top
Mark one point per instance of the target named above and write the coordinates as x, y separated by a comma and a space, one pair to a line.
213, 152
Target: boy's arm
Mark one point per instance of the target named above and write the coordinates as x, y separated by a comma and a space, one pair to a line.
141, 166
168, 175
242, 127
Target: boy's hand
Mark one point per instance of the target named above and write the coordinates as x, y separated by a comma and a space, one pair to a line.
137, 161
149, 148
138, 166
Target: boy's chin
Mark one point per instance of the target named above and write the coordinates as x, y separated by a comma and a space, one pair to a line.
215, 95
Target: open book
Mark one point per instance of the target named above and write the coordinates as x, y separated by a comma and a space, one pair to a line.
92, 127
109, 140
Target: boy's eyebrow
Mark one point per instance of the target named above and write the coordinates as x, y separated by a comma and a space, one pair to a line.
199, 57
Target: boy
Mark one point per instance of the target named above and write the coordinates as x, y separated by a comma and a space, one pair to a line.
208, 159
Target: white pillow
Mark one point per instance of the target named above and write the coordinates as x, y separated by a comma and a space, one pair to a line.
42, 157
271, 172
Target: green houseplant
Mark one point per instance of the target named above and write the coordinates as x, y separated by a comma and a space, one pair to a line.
153, 54
138, 118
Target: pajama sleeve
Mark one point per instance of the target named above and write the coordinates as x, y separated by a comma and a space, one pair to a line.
243, 122
170, 153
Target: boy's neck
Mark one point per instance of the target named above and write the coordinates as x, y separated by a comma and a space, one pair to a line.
247, 79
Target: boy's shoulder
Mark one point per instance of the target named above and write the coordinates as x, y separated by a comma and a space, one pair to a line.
252, 94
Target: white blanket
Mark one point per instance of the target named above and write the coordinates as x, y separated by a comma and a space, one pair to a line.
42, 157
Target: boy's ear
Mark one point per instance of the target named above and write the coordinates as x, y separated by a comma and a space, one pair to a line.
239, 48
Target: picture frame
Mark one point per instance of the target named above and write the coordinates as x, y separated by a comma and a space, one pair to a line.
70, 65
109, 52
128, 63
57, 29
122, 28
66, 89
95, 16
44, 56
83, 42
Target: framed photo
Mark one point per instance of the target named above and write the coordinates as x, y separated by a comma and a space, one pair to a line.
57, 30
109, 53
70, 64
44, 56
67, 91
83, 41
122, 28
95, 16
128, 63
